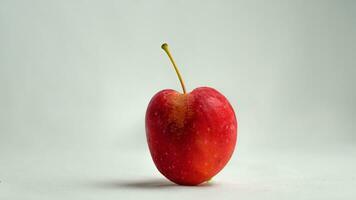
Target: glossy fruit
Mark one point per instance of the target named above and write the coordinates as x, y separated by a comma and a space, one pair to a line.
191, 136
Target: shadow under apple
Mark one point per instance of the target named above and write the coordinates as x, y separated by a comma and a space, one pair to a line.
141, 184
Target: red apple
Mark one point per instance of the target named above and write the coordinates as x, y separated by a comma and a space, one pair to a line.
191, 136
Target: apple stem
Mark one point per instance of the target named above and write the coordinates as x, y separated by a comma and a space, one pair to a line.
165, 48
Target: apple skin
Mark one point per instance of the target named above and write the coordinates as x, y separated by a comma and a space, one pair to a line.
191, 136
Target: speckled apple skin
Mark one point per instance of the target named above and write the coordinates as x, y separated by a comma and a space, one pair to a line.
191, 136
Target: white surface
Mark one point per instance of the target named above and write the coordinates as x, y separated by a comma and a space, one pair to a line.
76, 78
107, 173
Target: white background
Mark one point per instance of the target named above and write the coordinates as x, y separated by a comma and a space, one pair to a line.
76, 78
